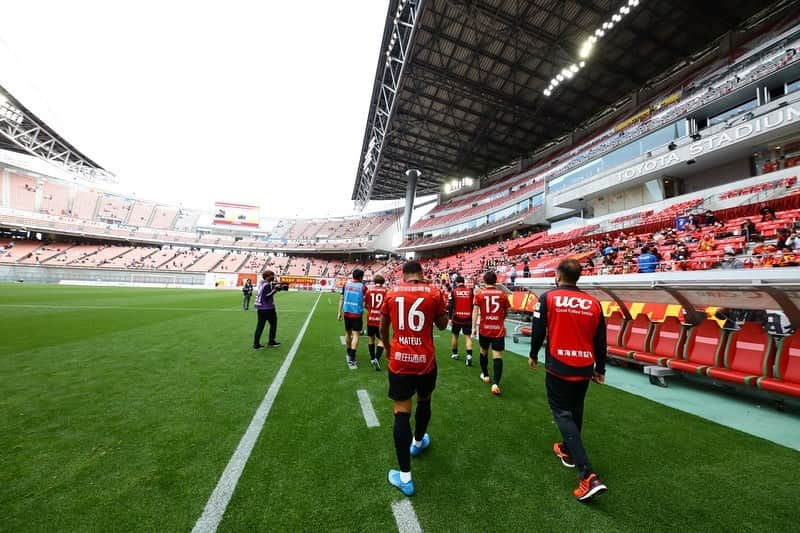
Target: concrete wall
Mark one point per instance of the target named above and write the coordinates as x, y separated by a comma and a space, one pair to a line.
45, 274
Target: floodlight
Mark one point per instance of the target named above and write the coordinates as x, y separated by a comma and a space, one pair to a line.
616, 18
573, 68
582, 64
560, 77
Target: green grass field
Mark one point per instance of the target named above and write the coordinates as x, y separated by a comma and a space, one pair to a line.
120, 409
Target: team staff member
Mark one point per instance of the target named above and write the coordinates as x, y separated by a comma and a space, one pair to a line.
576, 354
412, 309
374, 300
247, 292
265, 306
460, 311
491, 305
351, 308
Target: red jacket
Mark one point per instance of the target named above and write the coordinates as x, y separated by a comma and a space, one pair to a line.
576, 333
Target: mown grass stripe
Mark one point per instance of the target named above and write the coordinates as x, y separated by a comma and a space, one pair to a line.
218, 502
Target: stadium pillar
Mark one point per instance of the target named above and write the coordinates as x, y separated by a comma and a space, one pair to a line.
411, 190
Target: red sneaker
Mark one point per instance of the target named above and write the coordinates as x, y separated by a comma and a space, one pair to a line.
589, 487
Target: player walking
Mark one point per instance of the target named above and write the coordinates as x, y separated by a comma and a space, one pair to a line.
412, 309
491, 305
351, 308
576, 354
374, 301
460, 312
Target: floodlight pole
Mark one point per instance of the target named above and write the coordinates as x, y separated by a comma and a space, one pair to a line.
412, 175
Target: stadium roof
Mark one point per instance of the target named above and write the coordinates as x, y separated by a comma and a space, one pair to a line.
23, 132
459, 84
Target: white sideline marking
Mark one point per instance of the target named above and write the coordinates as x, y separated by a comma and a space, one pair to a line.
219, 499
341, 339
366, 407
405, 517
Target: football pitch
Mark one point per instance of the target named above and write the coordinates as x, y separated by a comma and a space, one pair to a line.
120, 409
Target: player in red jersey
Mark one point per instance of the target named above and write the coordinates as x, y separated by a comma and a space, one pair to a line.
460, 311
491, 305
374, 302
411, 308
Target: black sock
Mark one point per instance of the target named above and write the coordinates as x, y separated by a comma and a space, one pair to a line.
497, 365
371, 348
421, 418
351, 353
455, 351
485, 364
402, 440
469, 353
379, 352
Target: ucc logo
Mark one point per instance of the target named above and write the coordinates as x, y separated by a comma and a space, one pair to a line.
573, 302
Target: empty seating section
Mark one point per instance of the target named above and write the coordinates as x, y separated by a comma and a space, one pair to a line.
163, 217
747, 355
785, 378
55, 198
20, 250
182, 260
255, 263
277, 264
140, 214
46, 252
318, 267
74, 254
23, 192
233, 262
84, 204
158, 259
615, 328
207, 262
132, 259
113, 209
635, 338
665, 343
187, 220
704, 343
298, 267
101, 257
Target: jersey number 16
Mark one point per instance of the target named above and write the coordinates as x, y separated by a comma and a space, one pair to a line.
415, 317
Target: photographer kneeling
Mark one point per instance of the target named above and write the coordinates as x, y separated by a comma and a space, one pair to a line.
265, 306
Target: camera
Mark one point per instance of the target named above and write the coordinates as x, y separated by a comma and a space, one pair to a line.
280, 286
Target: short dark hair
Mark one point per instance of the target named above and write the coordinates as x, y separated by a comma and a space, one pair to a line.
267, 274
412, 267
459, 279
378, 279
570, 270
645, 250
490, 278
358, 274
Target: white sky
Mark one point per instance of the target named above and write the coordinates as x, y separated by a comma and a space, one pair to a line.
188, 102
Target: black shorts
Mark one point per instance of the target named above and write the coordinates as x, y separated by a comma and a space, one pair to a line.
373, 331
466, 329
353, 324
403, 386
498, 344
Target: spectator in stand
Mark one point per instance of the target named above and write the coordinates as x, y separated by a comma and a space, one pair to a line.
710, 219
749, 229
681, 255
729, 261
783, 237
513, 276
706, 243
526, 270
793, 242
647, 261
767, 213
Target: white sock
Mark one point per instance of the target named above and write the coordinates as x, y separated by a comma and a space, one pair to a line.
417, 443
405, 477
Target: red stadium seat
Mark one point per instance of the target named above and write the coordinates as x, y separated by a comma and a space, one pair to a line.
634, 338
747, 356
665, 343
702, 349
615, 327
786, 378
